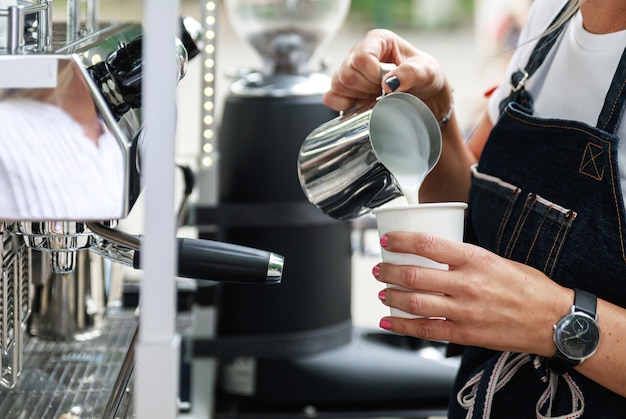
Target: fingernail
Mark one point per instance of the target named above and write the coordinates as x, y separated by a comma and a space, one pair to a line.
385, 324
393, 82
376, 271
384, 240
382, 295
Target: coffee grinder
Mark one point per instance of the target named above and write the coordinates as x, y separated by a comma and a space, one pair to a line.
294, 345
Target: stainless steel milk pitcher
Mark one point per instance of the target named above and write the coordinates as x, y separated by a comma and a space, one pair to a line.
340, 166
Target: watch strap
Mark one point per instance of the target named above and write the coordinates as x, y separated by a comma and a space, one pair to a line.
586, 302
560, 364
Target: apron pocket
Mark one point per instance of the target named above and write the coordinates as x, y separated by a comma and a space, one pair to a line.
516, 224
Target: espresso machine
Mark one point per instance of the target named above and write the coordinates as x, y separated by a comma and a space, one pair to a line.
71, 166
292, 351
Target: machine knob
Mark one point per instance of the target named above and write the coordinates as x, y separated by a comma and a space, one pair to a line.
119, 77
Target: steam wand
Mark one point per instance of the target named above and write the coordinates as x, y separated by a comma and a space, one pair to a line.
197, 258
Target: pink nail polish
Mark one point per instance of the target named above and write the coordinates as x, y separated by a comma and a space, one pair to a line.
383, 241
382, 295
385, 324
376, 271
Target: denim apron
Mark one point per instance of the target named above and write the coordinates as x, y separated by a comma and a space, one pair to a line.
546, 192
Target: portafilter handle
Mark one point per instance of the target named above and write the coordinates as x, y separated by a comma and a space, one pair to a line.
224, 262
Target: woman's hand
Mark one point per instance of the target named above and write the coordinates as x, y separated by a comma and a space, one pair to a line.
487, 300
359, 78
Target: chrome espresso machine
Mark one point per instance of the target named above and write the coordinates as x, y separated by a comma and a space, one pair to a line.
72, 144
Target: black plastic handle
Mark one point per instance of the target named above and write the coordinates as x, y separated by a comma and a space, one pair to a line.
225, 262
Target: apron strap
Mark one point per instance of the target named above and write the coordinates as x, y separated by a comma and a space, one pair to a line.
615, 100
476, 396
537, 57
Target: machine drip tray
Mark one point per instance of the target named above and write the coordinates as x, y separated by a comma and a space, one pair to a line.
71, 379
377, 375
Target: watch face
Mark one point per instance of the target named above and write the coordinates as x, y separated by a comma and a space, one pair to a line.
577, 336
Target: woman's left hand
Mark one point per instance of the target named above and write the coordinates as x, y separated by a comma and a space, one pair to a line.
486, 300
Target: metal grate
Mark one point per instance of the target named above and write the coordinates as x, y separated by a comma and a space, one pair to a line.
11, 329
70, 380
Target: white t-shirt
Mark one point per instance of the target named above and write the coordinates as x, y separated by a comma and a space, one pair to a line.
573, 80
49, 170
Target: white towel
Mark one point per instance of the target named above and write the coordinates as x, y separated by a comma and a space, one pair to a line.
49, 170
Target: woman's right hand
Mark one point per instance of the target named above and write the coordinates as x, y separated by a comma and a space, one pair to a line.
359, 78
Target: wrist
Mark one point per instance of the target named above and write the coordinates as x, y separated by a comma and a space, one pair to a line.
443, 121
442, 105
561, 304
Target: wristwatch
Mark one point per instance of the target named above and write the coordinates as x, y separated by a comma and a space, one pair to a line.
577, 334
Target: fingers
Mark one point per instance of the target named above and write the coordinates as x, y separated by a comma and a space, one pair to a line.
420, 291
414, 277
429, 329
359, 76
357, 79
433, 247
441, 318
418, 303
432, 291
338, 102
348, 87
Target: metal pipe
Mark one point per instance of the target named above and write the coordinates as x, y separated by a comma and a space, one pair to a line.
15, 37
73, 19
116, 236
45, 25
93, 9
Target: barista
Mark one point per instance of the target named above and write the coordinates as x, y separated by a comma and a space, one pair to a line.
538, 300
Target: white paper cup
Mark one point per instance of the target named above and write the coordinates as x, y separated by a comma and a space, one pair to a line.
444, 219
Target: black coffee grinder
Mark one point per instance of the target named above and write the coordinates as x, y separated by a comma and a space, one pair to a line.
293, 345
266, 117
